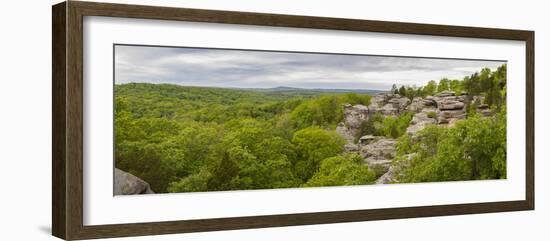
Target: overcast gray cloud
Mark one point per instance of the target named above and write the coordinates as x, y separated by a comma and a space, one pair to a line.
264, 69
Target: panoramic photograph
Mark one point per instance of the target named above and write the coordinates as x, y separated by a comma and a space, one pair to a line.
192, 119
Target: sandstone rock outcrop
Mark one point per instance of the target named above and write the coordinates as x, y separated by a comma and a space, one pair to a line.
388, 177
345, 133
365, 140
451, 108
380, 151
416, 105
427, 116
353, 117
444, 108
388, 104
128, 184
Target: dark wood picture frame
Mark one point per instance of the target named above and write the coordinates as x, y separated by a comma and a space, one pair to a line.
67, 123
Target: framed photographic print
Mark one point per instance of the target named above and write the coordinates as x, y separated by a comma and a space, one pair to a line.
171, 120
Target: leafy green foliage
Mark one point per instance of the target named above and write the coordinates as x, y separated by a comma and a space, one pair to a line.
193, 139
443, 85
373, 126
429, 89
396, 126
490, 84
342, 170
473, 149
325, 111
314, 145
390, 126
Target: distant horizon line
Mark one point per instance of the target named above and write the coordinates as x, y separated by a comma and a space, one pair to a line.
250, 88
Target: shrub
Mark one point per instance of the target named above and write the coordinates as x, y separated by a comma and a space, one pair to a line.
342, 170
313, 145
396, 126
473, 149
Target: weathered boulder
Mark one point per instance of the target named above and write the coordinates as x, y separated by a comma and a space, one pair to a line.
128, 184
451, 108
451, 105
345, 133
388, 177
354, 116
376, 102
379, 152
388, 109
420, 120
400, 103
416, 105
365, 140
450, 116
388, 104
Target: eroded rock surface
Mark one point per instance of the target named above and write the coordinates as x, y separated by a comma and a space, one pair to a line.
388, 104
444, 108
353, 117
450, 107
128, 184
380, 151
427, 116
345, 133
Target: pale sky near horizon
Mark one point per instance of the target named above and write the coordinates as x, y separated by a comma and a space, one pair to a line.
266, 69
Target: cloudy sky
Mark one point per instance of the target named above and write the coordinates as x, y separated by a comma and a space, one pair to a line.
263, 69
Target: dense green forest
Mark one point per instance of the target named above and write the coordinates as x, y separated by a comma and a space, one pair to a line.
189, 139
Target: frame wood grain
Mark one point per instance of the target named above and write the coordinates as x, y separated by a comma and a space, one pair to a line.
67, 123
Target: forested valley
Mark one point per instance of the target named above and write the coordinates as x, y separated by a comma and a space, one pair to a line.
195, 139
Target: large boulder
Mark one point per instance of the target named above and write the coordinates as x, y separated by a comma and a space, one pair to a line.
128, 184
379, 152
418, 104
388, 109
354, 116
400, 103
365, 140
387, 177
450, 107
450, 116
345, 133
427, 117
388, 104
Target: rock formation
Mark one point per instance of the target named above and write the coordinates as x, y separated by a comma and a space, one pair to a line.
128, 184
379, 151
427, 116
353, 117
450, 107
444, 108
388, 177
345, 132
388, 104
